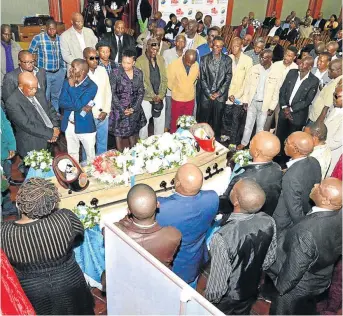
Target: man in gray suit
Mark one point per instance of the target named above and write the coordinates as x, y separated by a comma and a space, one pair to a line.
321, 69
76, 39
26, 64
35, 120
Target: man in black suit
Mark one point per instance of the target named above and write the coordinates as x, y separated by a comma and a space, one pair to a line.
26, 64
277, 49
307, 253
119, 41
290, 34
264, 146
296, 95
302, 174
35, 120
269, 21
319, 23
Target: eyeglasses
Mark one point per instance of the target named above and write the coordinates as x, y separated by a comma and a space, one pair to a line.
28, 62
336, 96
94, 57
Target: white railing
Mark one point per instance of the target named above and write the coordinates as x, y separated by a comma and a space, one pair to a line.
139, 284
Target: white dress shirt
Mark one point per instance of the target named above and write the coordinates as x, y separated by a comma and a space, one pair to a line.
261, 82
316, 209
81, 39
319, 74
293, 161
297, 86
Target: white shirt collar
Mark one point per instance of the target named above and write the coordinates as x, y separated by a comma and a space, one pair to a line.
78, 33
304, 77
258, 163
79, 84
316, 209
293, 161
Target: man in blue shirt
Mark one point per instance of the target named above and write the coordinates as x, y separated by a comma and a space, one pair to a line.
191, 211
46, 46
205, 49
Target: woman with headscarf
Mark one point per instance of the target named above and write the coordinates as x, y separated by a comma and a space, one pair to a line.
40, 246
127, 116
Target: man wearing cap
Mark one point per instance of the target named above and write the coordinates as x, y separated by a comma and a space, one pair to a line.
155, 84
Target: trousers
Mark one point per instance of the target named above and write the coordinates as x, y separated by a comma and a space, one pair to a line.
180, 108
168, 101
159, 122
254, 113
233, 122
101, 137
73, 143
54, 82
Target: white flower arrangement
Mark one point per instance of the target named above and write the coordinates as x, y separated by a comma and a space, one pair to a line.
39, 160
242, 157
186, 121
89, 216
152, 155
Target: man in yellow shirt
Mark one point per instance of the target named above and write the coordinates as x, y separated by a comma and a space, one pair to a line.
182, 75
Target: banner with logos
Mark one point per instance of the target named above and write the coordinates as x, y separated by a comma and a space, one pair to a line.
188, 8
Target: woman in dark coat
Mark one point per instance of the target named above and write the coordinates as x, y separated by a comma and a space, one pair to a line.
127, 116
40, 246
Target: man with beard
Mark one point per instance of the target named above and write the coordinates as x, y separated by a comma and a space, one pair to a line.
215, 79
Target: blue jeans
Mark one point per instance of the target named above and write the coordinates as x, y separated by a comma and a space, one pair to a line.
54, 83
101, 137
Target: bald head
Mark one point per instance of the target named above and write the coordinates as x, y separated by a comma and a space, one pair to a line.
189, 57
247, 196
264, 146
142, 201
191, 28
28, 84
319, 47
247, 39
80, 69
332, 47
328, 194
6, 33
188, 180
77, 21
335, 68
87, 51
299, 144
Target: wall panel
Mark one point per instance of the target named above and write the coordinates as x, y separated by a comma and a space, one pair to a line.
13, 11
299, 6
242, 8
331, 7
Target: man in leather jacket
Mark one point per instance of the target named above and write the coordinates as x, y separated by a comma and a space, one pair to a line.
264, 146
215, 78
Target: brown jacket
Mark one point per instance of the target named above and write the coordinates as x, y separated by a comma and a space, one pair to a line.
161, 242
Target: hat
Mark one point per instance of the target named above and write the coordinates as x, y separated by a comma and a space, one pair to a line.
156, 109
153, 40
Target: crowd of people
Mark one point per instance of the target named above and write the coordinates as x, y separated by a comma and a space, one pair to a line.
279, 219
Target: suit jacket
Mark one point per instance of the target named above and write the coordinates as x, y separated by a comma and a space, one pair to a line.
278, 52
302, 99
10, 83
249, 47
321, 23
73, 99
271, 88
164, 46
204, 49
307, 252
339, 50
297, 183
70, 46
128, 42
215, 81
239, 75
291, 36
161, 242
267, 175
31, 132
15, 49
169, 30
269, 22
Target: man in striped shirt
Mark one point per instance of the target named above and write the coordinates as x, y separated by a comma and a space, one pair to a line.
46, 46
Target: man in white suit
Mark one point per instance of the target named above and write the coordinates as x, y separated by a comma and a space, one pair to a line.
76, 39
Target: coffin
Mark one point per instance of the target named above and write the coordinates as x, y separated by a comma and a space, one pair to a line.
212, 164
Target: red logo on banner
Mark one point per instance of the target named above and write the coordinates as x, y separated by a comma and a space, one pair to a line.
174, 2
179, 11
214, 11
210, 2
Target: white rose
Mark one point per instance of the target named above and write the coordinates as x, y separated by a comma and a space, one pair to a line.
33, 164
43, 165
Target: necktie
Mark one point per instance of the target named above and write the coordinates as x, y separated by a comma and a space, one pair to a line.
120, 49
41, 112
